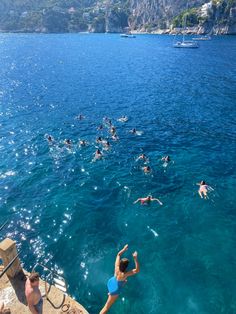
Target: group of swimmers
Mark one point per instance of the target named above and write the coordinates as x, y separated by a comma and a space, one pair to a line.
121, 274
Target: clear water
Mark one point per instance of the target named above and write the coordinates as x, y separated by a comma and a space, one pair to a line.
74, 214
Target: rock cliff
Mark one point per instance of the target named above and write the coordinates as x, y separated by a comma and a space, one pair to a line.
56, 16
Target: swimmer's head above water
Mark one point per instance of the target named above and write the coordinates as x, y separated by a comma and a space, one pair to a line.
68, 142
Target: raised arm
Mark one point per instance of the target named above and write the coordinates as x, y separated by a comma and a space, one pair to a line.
156, 199
136, 270
117, 262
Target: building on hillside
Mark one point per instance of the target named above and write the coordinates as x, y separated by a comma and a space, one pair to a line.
233, 13
71, 10
205, 8
24, 14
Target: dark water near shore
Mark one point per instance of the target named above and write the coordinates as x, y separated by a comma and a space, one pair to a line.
74, 214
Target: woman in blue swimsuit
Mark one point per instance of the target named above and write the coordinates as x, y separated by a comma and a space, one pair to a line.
119, 279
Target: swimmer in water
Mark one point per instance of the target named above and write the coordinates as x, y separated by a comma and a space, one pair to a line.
115, 137
123, 119
147, 200
204, 189
146, 169
113, 130
133, 131
99, 140
116, 283
98, 154
82, 143
142, 157
107, 121
50, 139
68, 142
100, 127
106, 145
166, 158
80, 117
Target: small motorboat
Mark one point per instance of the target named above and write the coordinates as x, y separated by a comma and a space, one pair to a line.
127, 36
186, 44
207, 37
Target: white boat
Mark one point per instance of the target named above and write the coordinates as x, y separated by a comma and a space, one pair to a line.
127, 36
207, 37
186, 44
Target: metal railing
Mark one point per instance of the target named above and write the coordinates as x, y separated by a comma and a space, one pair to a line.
3, 225
53, 278
5, 269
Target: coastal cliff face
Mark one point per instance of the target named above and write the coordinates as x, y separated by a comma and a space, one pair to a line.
158, 14
163, 16
220, 19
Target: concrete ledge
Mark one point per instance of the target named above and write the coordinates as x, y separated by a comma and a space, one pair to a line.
13, 297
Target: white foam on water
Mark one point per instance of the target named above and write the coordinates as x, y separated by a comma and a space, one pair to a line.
153, 232
7, 174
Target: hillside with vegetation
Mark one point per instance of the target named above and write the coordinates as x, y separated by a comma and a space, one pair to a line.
59, 16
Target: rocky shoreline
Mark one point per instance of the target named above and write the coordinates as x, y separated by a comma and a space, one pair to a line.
194, 31
216, 17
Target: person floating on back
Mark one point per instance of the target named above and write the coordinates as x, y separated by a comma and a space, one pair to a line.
119, 279
33, 294
147, 200
204, 189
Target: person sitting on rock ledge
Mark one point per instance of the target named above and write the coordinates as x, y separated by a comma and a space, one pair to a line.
33, 294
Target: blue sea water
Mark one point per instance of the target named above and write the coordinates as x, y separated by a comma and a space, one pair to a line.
74, 214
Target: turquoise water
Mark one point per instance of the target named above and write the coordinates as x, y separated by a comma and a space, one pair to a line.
74, 214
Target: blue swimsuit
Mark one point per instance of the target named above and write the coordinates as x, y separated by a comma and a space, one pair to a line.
114, 286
